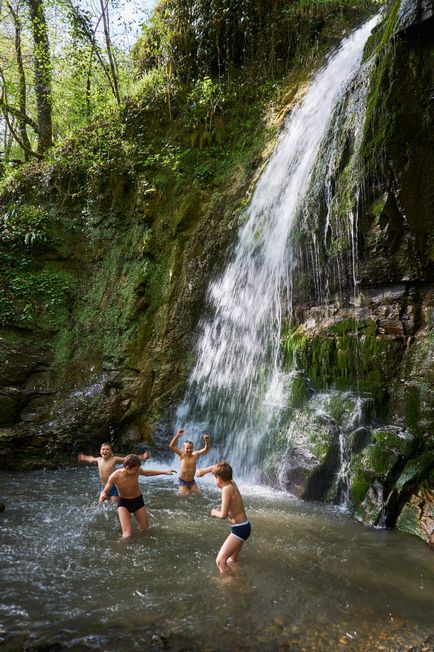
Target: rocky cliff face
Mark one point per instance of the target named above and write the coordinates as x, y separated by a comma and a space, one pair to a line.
364, 301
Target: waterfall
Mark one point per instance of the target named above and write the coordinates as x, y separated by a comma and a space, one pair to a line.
237, 390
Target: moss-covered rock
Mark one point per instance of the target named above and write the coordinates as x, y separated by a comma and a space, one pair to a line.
417, 515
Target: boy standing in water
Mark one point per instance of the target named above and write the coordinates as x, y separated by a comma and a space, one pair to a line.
232, 508
106, 465
130, 499
188, 460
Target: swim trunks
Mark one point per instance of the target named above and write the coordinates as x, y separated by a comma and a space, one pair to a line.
132, 504
186, 483
113, 491
241, 530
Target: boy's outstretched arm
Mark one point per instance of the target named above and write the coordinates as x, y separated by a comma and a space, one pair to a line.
86, 458
208, 469
205, 449
155, 472
173, 444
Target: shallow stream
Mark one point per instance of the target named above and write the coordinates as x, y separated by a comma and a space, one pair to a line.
308, 579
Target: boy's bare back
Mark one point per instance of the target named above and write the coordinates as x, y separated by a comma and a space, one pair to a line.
235, 505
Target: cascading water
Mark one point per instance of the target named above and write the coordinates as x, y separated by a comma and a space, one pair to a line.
237, 390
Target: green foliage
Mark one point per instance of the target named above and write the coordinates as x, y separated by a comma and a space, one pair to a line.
24, 224
198, 38
205, 97
35, 299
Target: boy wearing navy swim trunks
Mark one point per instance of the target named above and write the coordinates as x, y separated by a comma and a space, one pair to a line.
232, 508
130, 499
188, 460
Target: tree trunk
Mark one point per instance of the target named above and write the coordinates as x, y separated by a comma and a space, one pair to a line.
42, 64
111, 58
22, 86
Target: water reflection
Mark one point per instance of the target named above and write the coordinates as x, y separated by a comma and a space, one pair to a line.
309, 577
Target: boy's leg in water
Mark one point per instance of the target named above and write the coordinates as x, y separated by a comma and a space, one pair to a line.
229, 549
125, 521
142, 518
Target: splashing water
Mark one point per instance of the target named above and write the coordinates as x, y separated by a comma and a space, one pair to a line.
237, 389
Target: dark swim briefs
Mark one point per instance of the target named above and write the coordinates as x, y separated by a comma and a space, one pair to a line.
241, 530
186, 483
131, 504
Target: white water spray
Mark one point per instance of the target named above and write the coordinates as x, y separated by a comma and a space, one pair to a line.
237, 388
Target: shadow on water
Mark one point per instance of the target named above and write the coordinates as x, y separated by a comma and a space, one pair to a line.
309, 577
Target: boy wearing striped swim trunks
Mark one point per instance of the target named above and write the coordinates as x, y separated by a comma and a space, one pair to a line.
232, 508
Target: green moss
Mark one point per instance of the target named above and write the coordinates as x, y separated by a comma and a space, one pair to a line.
349, 355
412, 406
189, 210
299, 391
392, 442
379, 121
295, 346
409, 520
380, 460
63, 347
416, 470
359, 485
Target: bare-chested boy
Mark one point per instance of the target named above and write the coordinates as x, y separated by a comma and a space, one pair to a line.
232, 508
107, 464
130, 499
188, 460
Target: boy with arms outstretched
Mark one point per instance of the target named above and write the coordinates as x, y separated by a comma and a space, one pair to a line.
232, 508
130, 499
107, 464
188, 460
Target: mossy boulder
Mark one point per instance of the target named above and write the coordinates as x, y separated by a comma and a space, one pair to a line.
374, 470
370, 509
306, 457
416, 471
417, 515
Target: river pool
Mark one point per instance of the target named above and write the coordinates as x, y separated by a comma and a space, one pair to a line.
309, 578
